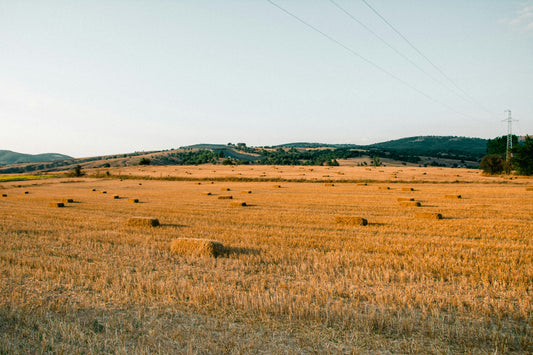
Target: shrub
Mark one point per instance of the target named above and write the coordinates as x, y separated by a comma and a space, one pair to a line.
76, 171
144, 161
493, 164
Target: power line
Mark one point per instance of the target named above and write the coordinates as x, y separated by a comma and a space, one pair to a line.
353, 52
397, 51
427, 59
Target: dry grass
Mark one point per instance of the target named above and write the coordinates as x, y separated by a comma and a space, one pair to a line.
197, 247
79, 280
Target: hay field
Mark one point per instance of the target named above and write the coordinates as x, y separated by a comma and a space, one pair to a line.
80, 279
211, 172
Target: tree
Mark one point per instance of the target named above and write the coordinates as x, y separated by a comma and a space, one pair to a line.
493, 164
376, 161
499, 145
522, 158
76, 171
144, 161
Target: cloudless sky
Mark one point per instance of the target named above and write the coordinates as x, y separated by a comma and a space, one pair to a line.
88, 78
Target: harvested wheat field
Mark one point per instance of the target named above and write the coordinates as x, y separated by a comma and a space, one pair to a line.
289, 279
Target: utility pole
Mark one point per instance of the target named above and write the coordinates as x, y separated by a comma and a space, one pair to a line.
509, 121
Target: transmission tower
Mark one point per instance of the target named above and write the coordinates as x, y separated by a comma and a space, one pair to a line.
509, 121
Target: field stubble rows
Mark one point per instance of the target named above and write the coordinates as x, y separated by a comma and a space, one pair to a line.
292, 280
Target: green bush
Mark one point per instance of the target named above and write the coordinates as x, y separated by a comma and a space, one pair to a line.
493, 164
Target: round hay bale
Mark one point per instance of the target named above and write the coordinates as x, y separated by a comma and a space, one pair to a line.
410, 204
206, 193
237, 204
93, 190
224, 189
227, 197
133, 200
276, 186
67, 200
407, 189
104, 192
116, 197
246, 192
384, 188
56, 204
143, 222
198, 183
26, 192
452, 196
4, 195
362, 184
196, 247
329, 184
350, 220
428, 215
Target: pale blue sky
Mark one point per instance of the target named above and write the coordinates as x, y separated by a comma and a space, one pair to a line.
95, 77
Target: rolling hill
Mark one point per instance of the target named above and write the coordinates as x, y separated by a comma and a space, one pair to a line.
8, 157
424, 145
421, 150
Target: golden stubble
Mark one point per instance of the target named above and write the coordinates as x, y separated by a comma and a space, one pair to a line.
80, 279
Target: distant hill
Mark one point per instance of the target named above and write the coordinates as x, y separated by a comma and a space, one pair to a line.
306, 145
421, 150
8, 157
436, 145
205, 146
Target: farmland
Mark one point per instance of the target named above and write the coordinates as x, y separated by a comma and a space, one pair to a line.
80, 279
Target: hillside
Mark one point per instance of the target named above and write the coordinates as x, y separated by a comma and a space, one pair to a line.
436, 146
8, 157
417, 151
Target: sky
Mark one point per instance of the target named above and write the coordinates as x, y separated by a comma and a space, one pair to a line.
87, 78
